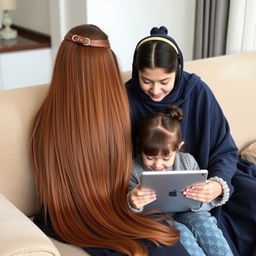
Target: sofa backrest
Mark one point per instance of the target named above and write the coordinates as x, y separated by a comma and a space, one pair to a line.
17, 109
232, 79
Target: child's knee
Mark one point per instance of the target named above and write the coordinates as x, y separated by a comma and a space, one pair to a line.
196, 218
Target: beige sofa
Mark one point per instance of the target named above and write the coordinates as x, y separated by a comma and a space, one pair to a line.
232, 79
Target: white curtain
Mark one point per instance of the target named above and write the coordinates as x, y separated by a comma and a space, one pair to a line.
241, 34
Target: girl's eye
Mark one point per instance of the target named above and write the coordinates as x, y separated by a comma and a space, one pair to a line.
150, 157
167, 158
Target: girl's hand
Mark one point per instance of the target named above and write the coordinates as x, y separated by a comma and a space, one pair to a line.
138, 197
205, 192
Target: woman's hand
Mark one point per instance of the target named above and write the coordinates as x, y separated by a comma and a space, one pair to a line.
205, 192
140, 197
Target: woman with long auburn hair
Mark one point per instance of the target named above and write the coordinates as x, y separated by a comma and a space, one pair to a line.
82, 155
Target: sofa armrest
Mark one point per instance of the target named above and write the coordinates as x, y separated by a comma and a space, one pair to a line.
19, 235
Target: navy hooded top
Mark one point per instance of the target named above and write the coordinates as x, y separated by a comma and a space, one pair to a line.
205, 129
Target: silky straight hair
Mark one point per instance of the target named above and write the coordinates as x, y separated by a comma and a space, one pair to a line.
81, 152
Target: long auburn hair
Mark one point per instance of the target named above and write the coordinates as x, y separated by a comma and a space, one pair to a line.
82, 155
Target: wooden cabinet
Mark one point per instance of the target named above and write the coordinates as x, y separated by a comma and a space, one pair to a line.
25, 61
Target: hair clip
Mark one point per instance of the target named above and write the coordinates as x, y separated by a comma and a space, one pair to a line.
81, 40
87, 41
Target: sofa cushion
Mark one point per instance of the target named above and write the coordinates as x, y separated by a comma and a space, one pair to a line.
249, 152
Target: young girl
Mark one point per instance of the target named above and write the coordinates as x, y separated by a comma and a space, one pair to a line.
159, 142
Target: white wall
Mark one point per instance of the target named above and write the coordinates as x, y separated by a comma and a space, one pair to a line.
33, 14
65, 14
126, 22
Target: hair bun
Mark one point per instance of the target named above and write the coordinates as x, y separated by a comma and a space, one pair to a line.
175, 113
159, 31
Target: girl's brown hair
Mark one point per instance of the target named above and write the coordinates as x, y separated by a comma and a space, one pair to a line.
81, 152
160, 132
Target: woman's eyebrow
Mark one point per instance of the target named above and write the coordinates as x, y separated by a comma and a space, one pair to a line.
167, 78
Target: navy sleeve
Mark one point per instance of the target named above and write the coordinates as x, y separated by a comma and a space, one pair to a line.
223, 151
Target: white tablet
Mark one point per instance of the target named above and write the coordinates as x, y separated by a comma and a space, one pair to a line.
169, 187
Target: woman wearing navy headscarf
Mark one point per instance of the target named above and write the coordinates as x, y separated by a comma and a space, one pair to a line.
158, 80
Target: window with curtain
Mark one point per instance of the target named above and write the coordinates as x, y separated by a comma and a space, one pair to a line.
224, 27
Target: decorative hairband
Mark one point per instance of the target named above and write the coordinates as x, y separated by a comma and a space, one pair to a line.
87, 41
158, 38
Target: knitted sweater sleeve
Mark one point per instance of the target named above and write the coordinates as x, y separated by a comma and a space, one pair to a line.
187, 162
